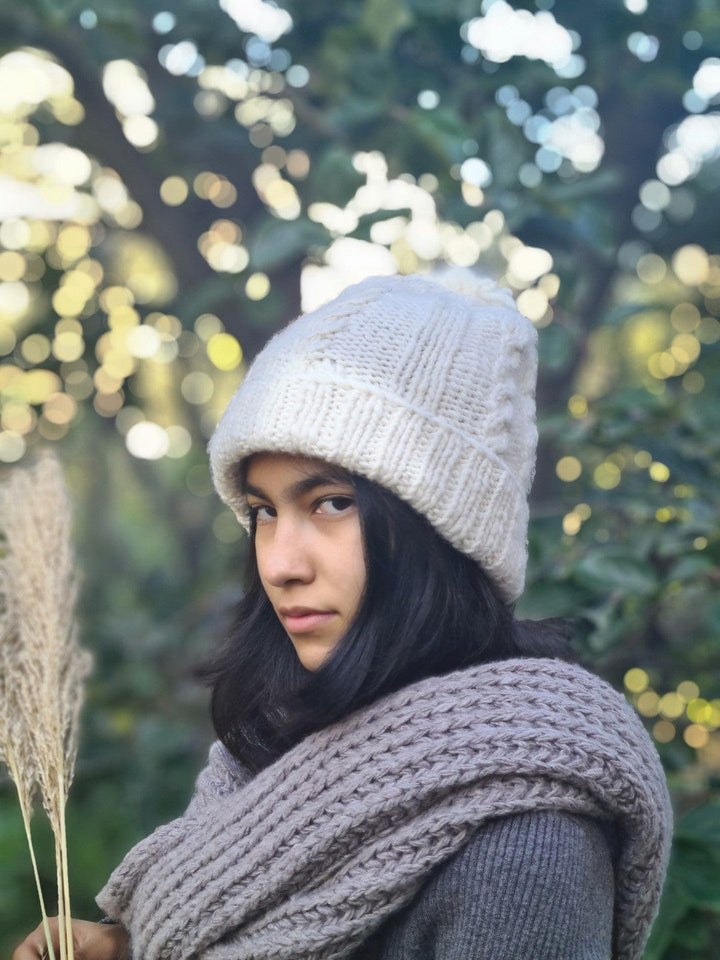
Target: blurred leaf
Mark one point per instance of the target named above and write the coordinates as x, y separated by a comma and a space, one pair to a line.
692, 937
615, 568
595, 184
624, 311
280, 242
362, 231
555, 347
383, 20
690, 567
550, 600
697, 872
441, 131
701, 825
673, 908
333, 178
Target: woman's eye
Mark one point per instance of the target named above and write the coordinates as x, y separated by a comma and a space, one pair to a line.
334, 506
260, 513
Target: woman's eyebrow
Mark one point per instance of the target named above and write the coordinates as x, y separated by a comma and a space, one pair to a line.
250, 490
301, 487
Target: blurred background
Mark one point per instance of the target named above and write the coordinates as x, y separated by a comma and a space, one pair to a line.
176, 183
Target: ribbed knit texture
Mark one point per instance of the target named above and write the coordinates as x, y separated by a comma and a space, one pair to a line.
424, 390
308, 858
528, 886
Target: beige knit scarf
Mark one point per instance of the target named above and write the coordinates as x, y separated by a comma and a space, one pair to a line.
308, 858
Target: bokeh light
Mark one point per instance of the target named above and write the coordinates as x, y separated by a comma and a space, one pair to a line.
503, 33
607, 475
691, 264
147, 441
258, 17
197, 387
659, 472
568, 469
174, 191
257, 286
12, 446
636, 680
224, 351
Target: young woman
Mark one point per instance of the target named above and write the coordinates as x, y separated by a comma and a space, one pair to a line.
403, 770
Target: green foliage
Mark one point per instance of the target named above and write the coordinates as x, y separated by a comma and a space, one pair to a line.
279, 243
688, 925
333, 178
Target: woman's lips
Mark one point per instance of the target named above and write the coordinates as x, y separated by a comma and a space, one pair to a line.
304, 620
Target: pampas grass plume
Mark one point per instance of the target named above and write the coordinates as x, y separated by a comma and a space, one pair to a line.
42, 666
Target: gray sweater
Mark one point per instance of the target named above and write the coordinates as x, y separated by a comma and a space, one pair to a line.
536, 886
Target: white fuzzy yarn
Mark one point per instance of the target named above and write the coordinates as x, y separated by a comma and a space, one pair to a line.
426, 390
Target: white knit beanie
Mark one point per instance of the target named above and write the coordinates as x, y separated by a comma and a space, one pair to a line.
426, 390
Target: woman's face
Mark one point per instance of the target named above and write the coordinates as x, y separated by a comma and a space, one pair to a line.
309, 548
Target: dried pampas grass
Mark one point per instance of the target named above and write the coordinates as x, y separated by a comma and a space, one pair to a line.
42, 666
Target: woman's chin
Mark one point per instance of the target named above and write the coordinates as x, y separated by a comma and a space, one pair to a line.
312, 652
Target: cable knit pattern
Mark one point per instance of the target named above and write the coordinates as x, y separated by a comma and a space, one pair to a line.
426, 390
308, 858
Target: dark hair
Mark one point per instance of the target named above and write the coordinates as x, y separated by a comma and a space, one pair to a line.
427, 610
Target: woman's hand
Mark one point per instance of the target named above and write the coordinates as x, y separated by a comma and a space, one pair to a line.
91, 941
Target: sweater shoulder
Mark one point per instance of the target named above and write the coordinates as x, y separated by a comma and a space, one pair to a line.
546, 847
537, 884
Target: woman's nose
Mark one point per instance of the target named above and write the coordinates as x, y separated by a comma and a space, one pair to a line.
285, 556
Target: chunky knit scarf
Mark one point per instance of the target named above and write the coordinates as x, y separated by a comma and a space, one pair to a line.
307, 858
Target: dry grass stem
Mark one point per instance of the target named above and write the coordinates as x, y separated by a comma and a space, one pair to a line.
14, 748
42, 666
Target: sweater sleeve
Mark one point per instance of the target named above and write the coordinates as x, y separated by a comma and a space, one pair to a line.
535, 885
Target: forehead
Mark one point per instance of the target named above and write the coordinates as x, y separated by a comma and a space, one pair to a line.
263, 468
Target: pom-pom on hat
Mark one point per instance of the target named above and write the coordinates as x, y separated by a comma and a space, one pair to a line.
425, 386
